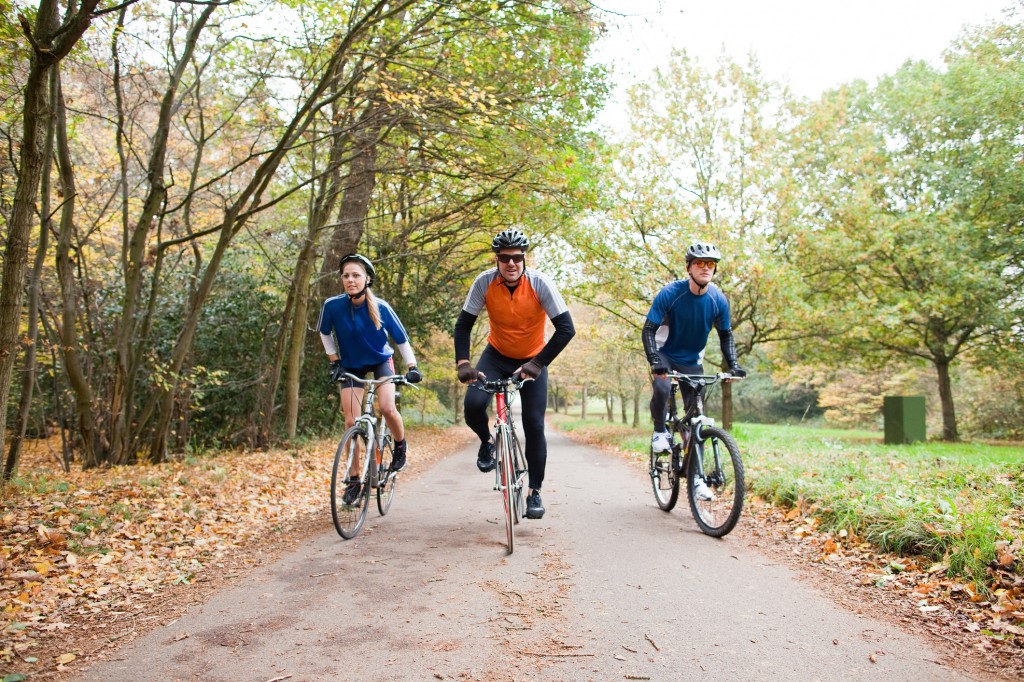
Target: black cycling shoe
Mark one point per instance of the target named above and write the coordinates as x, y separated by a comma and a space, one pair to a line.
534, 507
398, 459
485, 458
352, 489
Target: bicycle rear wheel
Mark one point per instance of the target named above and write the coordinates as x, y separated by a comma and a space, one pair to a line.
507, 485
386, 478
520, 479
349, 516
716, 461
665, 477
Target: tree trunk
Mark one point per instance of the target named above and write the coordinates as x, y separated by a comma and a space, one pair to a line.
949, 430
726, 405
49, 46
636, 408
609, 403
135, 246
69, 342
583, 402
355, 202
32, 338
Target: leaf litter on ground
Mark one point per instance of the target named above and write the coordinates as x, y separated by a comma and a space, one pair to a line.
89, 558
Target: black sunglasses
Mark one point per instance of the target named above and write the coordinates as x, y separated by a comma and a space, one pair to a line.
511, 257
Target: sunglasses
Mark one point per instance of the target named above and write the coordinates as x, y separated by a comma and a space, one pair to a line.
511, 258
704, 263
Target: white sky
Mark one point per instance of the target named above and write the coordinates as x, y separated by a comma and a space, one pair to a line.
811, 45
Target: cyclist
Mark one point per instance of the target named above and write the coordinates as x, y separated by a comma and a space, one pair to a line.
354, 328
518, 303
689, 308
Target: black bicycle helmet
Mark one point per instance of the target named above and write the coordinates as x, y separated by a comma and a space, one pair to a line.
362, 260
512, 238
703, 251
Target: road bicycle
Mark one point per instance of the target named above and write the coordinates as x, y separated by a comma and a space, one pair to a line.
510, 474
369, 428
702, 452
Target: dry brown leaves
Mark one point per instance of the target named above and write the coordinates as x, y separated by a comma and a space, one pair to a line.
107, 545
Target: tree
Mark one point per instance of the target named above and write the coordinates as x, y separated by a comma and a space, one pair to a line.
698, 163
909, 233
51, 41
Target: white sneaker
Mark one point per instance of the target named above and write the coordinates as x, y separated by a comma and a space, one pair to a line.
702, 492
661, 441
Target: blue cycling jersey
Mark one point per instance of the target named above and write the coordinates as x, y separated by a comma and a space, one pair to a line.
689, 319
360, 343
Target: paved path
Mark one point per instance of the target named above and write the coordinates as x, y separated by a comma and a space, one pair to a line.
605, 587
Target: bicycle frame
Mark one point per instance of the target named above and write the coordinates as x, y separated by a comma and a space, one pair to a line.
508, 477
694, 419
368, 421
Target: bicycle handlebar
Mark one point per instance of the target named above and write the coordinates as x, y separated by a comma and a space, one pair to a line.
497, 385
393, 379
706, 379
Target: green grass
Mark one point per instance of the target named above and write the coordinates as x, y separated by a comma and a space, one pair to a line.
952, 503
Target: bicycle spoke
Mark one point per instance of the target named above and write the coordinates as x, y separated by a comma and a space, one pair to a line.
664, 477
716, 507
386, 478
349, 514
505, 479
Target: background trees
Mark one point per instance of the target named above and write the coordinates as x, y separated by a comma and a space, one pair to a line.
910, 211
175, 200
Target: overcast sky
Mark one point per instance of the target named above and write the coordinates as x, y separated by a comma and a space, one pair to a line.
811, 45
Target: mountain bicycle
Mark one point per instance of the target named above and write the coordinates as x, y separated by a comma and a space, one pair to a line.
703, 453
510, 474
369, 428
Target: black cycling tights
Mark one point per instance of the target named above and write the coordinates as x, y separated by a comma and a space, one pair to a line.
534, 397
662, 387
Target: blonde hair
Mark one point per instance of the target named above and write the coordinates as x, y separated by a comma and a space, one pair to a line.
373, 308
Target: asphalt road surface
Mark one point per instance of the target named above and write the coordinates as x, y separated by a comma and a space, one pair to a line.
605, 587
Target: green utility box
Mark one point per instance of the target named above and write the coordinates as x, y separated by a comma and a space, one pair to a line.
904, 419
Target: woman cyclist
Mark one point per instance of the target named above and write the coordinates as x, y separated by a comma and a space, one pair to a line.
354, 328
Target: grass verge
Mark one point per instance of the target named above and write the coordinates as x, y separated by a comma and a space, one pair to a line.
958, 505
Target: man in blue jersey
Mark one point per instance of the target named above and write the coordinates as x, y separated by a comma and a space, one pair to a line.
688, 309
354, 328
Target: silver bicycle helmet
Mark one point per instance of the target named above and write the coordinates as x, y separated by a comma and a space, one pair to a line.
512, 238
703, 251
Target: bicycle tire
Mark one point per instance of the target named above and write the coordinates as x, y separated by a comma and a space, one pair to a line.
386, 478
664, 477
349, 518
520, 479
723, 474
505, 481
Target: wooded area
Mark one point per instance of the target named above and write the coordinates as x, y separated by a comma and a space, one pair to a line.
179, 181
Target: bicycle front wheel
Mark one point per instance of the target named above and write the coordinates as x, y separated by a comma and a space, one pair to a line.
386, 478
349, 514
506, 482
716, 462
664, 478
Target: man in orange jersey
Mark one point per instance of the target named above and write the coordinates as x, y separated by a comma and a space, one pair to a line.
518, 305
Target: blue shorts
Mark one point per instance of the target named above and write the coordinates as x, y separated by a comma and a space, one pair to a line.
384, 369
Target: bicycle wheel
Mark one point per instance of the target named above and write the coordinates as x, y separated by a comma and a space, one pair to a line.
505, 481
716, 460
386, 478
665, 477
348, 518
520, 479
